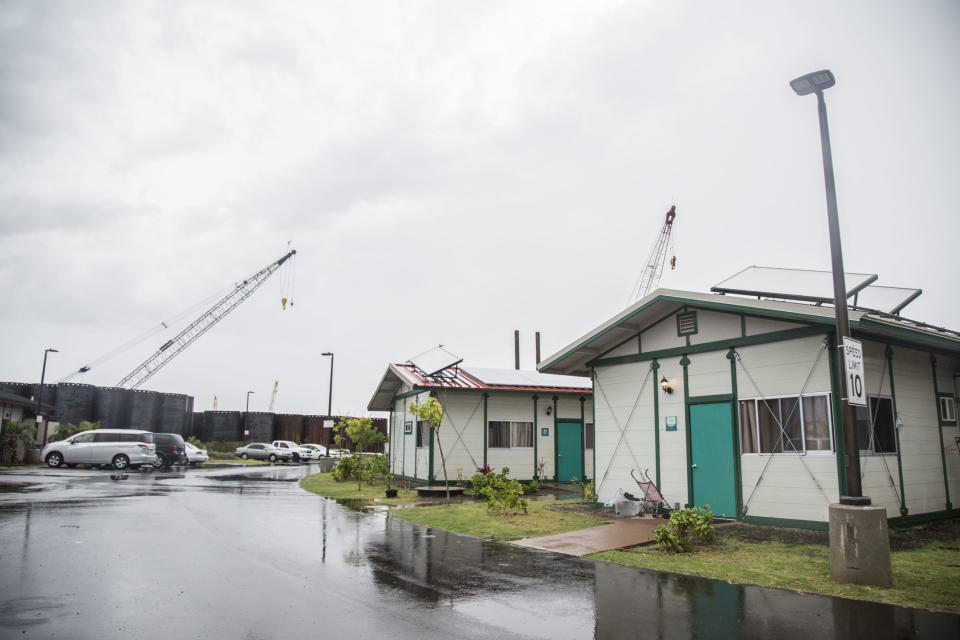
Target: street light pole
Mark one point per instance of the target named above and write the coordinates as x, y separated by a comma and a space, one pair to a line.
330, 392
43, 375
246, 415
816, 82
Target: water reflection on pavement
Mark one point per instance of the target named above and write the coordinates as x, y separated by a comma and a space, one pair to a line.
245, 553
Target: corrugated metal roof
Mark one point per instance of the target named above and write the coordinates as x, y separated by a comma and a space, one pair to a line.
474, 379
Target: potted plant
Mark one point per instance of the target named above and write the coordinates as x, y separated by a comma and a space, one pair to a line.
391, 492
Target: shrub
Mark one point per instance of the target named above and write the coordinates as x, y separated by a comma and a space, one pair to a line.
676, 536
12, 435
503, 493
531, 487
66, 429
195, 441
479, 481
345, 469
485, 469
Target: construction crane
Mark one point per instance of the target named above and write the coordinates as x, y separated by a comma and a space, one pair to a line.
650, 278
273, 396
201, 325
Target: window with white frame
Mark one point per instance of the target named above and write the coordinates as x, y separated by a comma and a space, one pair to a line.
787, 424
506, 434
875, 426
948, 409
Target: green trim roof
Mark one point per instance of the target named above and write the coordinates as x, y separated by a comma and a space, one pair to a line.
573, 359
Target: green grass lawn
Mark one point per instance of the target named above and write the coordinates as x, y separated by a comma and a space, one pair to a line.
927, 578
324, 485
473, 519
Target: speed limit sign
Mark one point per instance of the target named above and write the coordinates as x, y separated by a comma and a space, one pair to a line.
853, 359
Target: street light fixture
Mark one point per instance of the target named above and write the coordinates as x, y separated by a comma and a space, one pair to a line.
246, 416
43, 374
330, 392
817, 82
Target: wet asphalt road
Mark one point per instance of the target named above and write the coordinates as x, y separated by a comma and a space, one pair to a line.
245, 553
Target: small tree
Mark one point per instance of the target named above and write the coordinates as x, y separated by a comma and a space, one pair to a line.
432, 412
66, 429
363, 435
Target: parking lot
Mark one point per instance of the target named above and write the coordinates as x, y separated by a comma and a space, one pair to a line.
243, 552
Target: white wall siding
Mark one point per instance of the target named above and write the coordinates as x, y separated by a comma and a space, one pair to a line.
617, 395
713, 327
709, 374
920, 434
662, 336
787, 489
518, 407
764, 325
673, 444
628, 348
461, 434
780, 368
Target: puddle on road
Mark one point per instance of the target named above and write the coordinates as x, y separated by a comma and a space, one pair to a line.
19, 487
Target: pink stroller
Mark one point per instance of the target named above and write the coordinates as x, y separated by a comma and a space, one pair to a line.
652, 501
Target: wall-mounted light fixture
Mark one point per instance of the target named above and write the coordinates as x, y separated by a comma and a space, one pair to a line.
549, 409
665, 385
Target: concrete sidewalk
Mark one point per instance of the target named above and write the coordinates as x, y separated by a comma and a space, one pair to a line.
622, 532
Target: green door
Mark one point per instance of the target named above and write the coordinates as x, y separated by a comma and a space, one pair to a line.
569, 451
711, 437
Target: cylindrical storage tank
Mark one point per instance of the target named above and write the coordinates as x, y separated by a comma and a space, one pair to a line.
289, 427
260, 427
75, 402
175, 414
223, 426
144, 409
110, 407
22, 389
198, 427
313, 429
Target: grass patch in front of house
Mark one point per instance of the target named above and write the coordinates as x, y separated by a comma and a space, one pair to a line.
324, 485
925, 578
473, 519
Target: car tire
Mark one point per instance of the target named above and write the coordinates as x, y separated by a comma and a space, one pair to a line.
120, 462
244, 456
161, 461
54, 459
296, 458
273, 457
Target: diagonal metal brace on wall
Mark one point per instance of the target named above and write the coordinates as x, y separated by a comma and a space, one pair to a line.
623, 429
460, 432
783, 433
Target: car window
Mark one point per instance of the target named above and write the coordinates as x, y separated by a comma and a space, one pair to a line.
255, 446
83, 437
106, 437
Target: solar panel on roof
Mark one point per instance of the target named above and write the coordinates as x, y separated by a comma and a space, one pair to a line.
435, 360
791, 284
886, 299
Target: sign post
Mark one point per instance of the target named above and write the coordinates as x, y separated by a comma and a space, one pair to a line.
853, 365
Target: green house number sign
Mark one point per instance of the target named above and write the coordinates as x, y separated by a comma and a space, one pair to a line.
671, 422
545, 431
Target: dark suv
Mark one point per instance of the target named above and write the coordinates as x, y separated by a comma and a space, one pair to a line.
170, 449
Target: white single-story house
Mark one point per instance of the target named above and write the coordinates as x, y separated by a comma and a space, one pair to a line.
538, 425
733, 402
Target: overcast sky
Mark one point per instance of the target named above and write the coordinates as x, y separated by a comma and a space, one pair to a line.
447, 171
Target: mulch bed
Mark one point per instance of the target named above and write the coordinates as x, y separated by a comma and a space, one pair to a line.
901, 539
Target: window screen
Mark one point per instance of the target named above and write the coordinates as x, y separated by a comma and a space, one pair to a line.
423, 433
498, 434
785, 425
588, 435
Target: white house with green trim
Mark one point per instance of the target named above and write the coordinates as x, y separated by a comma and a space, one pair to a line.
538, 425
733, 402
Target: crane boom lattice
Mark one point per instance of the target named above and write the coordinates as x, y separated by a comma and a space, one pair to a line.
653, 269
201, 325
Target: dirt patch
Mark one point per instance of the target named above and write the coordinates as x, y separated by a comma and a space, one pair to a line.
600, 513
900, 539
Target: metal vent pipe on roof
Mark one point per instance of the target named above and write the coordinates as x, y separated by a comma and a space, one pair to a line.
516, 349
537, 342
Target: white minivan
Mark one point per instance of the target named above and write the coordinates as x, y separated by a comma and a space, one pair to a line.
120, 448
